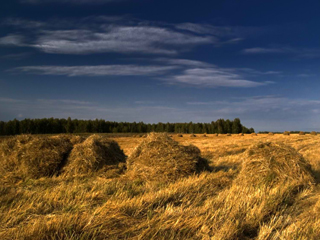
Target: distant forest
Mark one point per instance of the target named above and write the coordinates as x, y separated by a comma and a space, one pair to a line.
54, 125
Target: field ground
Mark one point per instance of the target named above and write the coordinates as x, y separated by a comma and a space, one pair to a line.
232, 201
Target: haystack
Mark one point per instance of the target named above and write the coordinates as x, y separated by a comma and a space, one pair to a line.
193, 135
229, 134
241, 134
269, 163
270, 178
286, 133
270, 133
159, 157
179, 135
302, 133
313, 133
254, 134
95, 154
204, 135
34, 157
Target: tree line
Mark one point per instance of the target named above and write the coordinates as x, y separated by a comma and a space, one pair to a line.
55, 125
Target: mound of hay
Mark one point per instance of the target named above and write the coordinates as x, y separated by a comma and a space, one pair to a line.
204, 135
270, 163
229, 134
33, 157
179, 135
254, 134
159, 157
241, 134
313, 133
192, 136
95, 154
286, 133
271, 133
271, 177
302, 133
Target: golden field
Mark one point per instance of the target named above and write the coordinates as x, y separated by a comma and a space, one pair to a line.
254, 187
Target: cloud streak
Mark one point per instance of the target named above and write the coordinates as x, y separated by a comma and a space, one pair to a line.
121, 39
213, 77
171, 71
102, 70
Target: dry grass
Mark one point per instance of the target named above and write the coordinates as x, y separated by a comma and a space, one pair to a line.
260, 188
159, 157
93, 155
25, 157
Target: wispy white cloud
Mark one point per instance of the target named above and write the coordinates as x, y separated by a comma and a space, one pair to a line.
184, 62
171, 71
123, 39
213, 77
12, 40
258, 50
262, 104
103, 70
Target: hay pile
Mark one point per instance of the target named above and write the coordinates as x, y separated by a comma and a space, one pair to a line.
159, 157
192, 136
95, 154
302, 133
179, 135
229, 134
274, 162
241, 134
204, 135
271, 177
270, 133
313, 133
254, 134
287, 133
33, 157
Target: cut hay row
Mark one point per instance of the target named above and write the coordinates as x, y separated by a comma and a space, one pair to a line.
159, 157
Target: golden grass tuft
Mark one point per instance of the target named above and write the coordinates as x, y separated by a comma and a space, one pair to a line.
159, 157
33, 157
95, 154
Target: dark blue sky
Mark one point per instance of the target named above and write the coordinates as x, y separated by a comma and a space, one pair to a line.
151, 61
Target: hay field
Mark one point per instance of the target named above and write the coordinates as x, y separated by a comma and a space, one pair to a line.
201, 187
